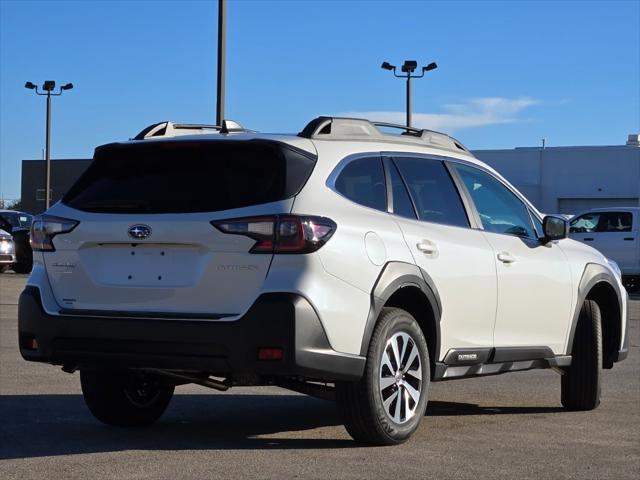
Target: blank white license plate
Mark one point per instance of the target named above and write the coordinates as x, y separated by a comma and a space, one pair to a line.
147, 265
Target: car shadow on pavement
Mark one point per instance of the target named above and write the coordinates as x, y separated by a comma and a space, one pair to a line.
44, 425
50, 425
438, 409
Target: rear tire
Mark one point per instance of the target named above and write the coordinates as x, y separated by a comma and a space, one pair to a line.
381, 408
580, 383
125, 398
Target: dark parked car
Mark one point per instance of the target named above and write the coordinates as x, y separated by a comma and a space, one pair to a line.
18, 224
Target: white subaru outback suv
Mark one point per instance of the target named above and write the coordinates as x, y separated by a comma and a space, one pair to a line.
344, 262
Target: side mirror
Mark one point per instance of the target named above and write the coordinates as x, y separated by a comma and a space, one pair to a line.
555, 228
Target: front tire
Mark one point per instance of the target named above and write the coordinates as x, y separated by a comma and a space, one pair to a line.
125, 398
580, 384
386, 405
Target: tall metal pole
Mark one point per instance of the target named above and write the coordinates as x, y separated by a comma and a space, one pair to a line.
408, 100
222, 30
47, 183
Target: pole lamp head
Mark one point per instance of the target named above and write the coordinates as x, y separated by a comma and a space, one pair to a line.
49, 85
67, 86
29, 85
409, 66
431, 66
387, 66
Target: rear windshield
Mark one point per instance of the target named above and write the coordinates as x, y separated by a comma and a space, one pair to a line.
189, 176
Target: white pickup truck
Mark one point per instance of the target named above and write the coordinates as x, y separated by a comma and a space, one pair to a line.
616, 233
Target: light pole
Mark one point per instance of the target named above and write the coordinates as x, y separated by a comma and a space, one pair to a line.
408, 67
222, 46
48, 86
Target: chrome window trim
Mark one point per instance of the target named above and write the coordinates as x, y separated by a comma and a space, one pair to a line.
467, 201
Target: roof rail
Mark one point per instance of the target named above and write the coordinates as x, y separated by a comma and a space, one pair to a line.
340, 128
170, 129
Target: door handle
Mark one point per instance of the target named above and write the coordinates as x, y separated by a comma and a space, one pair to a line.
629, 239
427, 247
505, 257
587, 239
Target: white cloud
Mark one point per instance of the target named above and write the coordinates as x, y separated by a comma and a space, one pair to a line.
475, 112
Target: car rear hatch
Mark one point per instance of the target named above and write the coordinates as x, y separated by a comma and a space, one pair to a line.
144, 243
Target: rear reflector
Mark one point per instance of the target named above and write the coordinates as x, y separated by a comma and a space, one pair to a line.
281, 233
265, 353
29, 343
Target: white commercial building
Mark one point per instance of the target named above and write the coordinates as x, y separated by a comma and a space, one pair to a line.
572, 179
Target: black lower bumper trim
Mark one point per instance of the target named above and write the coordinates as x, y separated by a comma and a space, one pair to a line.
222, 347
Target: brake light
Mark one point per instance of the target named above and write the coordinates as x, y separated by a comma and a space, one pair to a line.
45, 227
281, 233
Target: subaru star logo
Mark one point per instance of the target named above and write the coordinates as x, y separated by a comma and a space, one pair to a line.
139, 231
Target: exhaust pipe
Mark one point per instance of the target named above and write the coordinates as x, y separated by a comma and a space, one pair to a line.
205, 382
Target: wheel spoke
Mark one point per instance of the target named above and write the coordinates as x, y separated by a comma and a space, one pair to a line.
415, 374
407, 411
396, 354
415, 394
386, 382
405, 345
412, 357
389, 400
386, 361
396, 414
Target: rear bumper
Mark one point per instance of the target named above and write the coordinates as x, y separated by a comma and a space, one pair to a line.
224, 348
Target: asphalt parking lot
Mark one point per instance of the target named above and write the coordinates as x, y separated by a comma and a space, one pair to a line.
508, 426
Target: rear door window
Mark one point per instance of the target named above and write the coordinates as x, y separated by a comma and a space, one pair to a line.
432, 190
362, 180
189, 176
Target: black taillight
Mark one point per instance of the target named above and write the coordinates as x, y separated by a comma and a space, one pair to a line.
281, 233
45, 227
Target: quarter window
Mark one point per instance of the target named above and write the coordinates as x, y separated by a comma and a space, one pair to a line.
362, 181
500, 210
432, 190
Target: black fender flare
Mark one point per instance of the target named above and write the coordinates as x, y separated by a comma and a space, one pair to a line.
593, 274
394, 276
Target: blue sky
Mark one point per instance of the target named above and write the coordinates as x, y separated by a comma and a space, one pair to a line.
509, 72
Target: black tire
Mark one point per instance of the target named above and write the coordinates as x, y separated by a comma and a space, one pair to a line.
580, 384
361, 402
125, 398
3, 268
24, 253
22, 267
